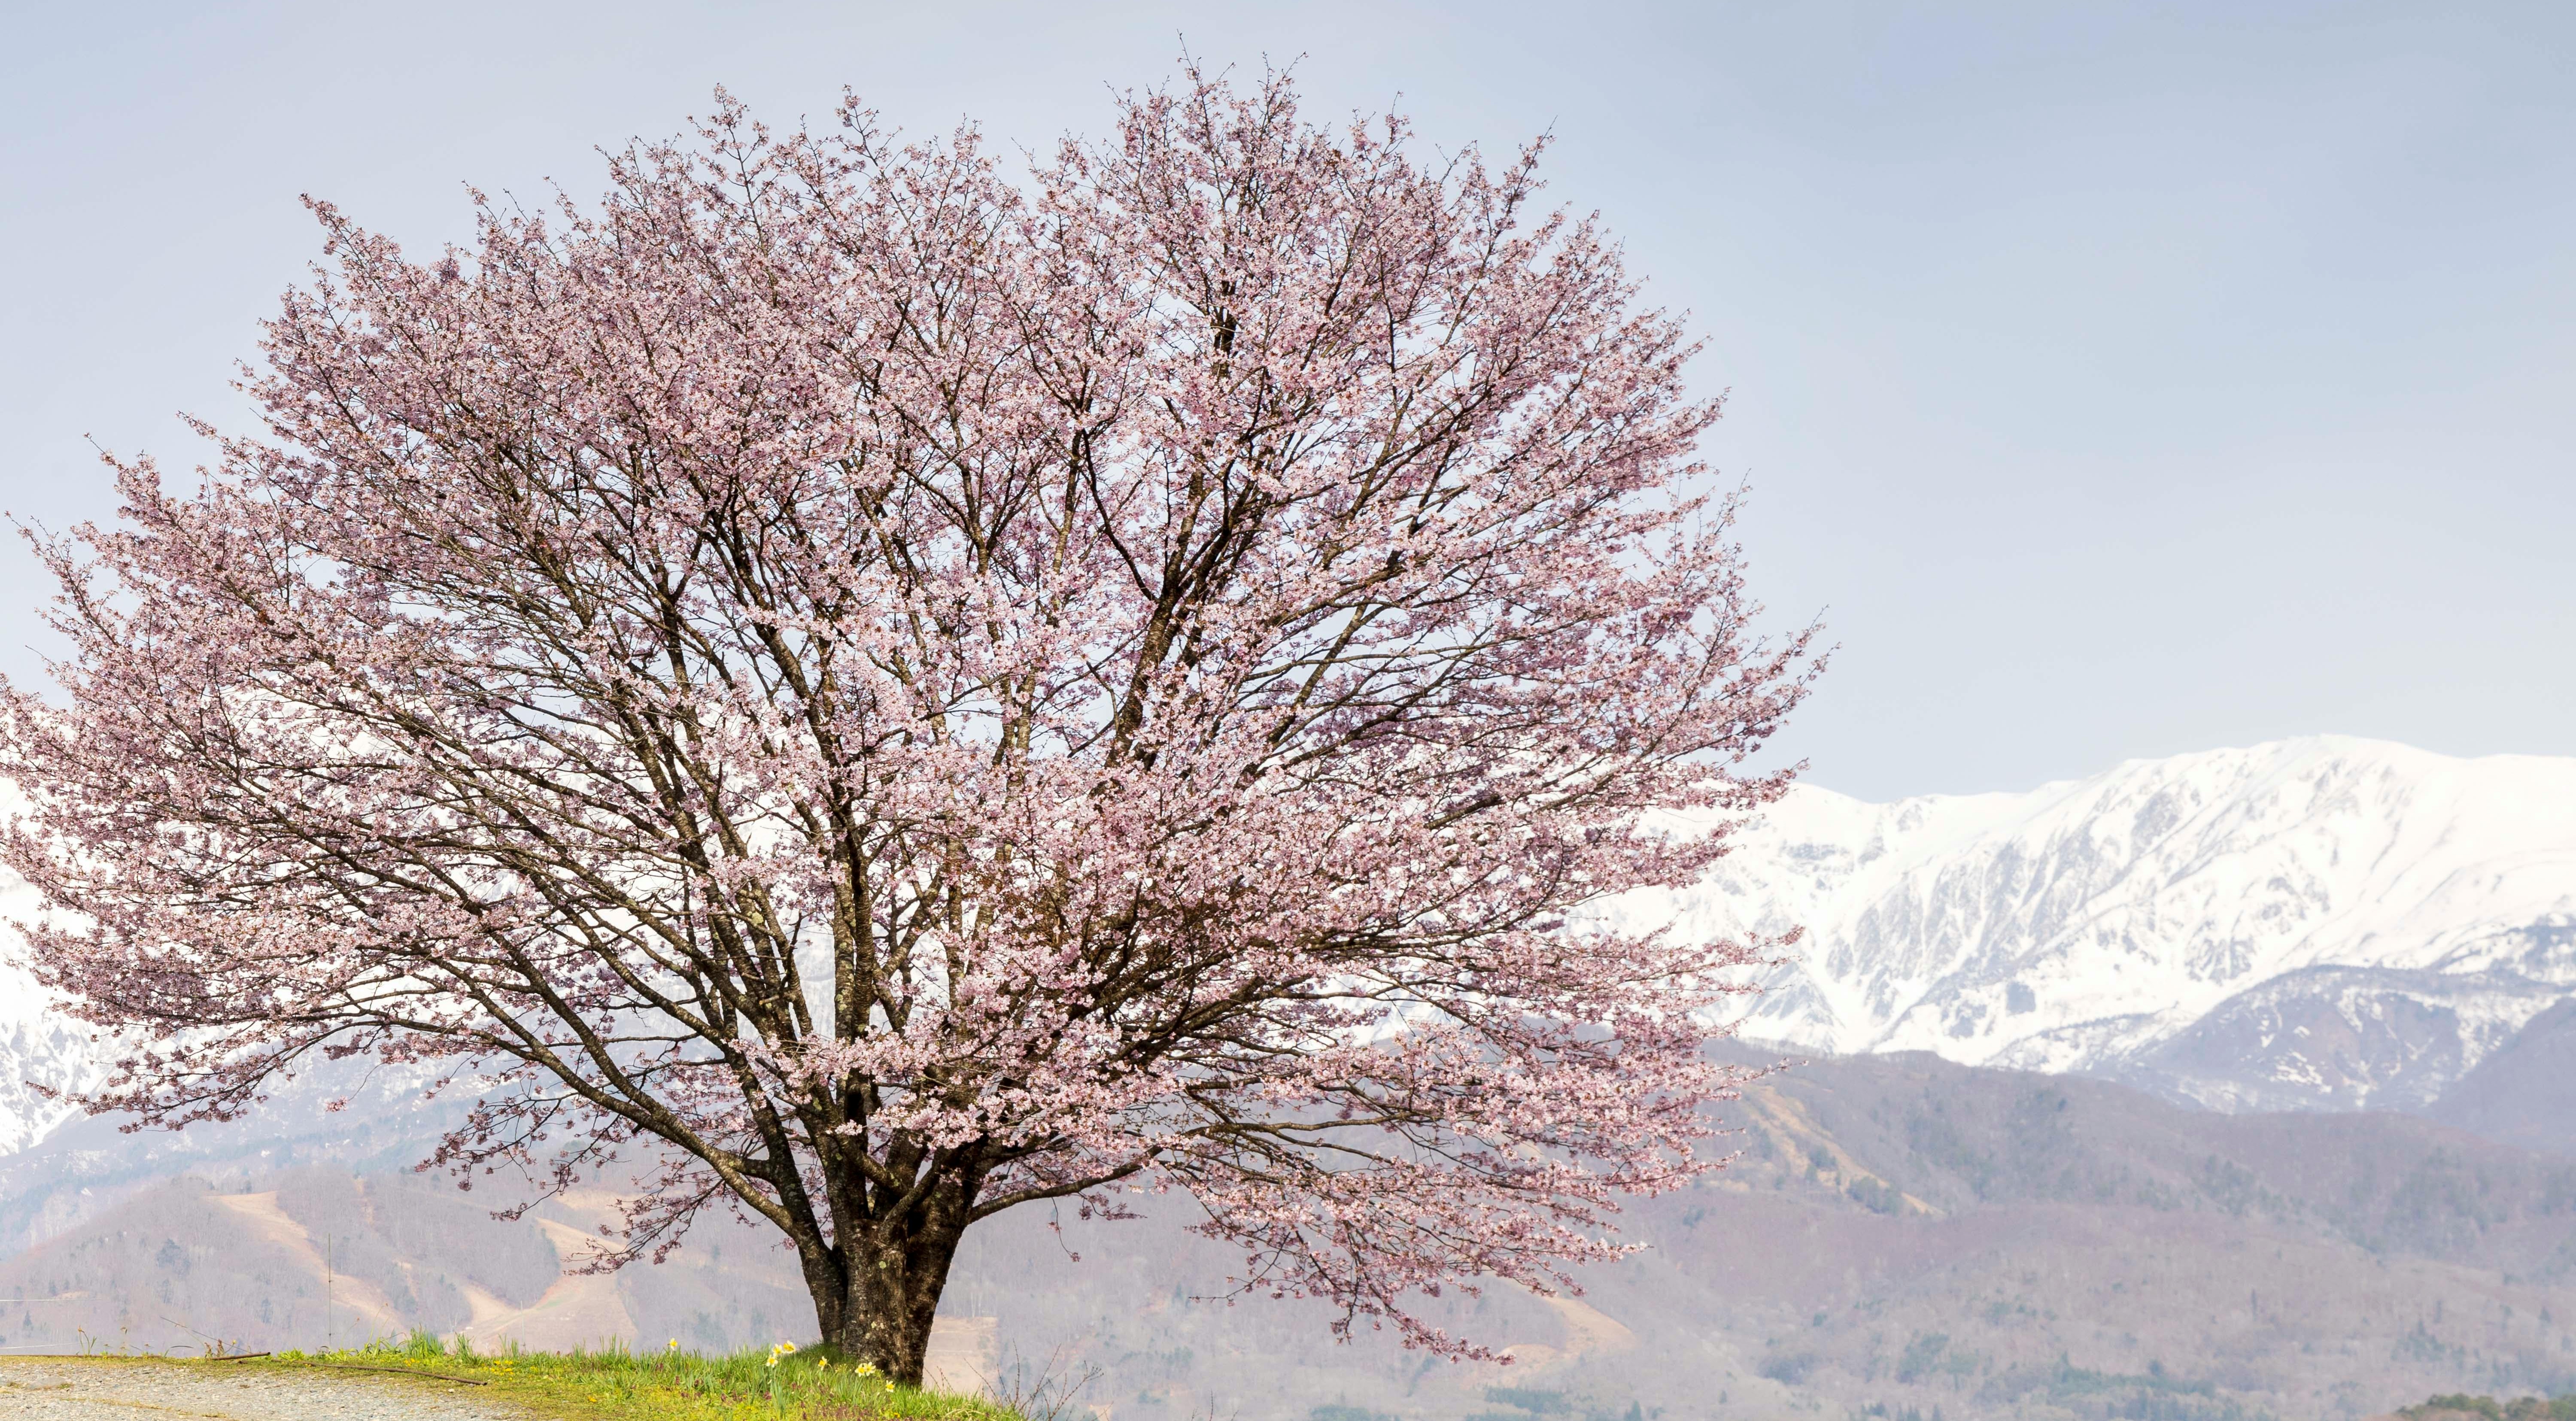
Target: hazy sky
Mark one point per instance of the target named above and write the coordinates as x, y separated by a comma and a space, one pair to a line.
2117, 380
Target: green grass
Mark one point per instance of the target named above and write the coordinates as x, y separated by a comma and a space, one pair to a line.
618, 1385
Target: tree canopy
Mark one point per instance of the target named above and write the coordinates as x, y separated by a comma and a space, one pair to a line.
875, 691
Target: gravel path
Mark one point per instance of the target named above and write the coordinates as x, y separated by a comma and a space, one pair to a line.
77, 1390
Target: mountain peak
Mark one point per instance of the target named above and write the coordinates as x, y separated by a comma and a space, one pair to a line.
2350, 921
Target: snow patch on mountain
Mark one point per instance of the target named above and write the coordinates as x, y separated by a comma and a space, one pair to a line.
40, 1044
2327, 922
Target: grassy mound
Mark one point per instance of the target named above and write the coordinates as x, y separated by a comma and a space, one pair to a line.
781, 1384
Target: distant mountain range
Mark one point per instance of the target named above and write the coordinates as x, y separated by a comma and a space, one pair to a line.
2316, 924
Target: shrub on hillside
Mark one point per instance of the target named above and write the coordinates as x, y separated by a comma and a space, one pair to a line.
2521, 1408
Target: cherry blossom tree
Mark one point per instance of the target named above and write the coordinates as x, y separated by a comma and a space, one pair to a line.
844, 684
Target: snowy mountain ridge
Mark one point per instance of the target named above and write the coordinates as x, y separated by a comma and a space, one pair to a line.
2326, 922
39, 1044
2322, 923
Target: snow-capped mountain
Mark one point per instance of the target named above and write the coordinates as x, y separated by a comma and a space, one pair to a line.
2320, 923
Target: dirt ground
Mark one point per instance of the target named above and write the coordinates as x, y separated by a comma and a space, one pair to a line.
82, 1389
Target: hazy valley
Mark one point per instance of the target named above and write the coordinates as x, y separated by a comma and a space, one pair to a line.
1896, 1232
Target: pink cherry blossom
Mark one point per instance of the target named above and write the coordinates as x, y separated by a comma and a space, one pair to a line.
843, 684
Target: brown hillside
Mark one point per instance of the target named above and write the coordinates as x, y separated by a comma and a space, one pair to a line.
1897, 1236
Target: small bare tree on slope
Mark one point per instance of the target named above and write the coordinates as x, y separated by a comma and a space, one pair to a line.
895, 694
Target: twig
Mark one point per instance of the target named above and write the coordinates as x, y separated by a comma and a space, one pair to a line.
364, 1367
214, 1345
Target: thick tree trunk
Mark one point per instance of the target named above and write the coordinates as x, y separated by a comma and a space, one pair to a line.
893, 1295
876, 1295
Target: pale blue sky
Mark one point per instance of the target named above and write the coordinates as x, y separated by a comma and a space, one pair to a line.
2119, 379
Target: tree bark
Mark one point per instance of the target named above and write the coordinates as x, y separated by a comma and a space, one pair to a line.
877, 1292
890, 1305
